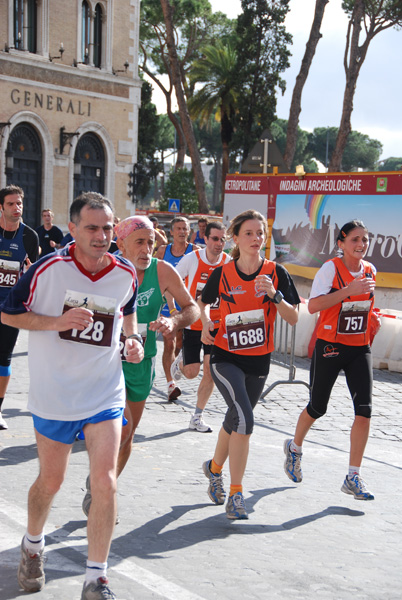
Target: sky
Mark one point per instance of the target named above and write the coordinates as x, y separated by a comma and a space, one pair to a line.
377, 99
378, 92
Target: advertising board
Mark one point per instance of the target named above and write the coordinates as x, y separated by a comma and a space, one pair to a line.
305, 214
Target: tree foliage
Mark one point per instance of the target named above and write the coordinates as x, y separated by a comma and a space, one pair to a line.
180, 186
210, 145
262, 56
179, 87
361, 152
393, 163
295, 105
148, 166
216, 71
303, 154
370, 17
194, 25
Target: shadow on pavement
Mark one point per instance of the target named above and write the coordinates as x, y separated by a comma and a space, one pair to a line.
151, 541
138, 438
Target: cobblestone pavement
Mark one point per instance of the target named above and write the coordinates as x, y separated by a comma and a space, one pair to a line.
305, 541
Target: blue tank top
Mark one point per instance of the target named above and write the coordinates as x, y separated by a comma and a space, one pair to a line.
174, 261
199, 241
12, 257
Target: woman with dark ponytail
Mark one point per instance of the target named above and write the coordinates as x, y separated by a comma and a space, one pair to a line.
343, 292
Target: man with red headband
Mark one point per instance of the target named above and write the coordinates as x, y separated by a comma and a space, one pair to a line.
135, 239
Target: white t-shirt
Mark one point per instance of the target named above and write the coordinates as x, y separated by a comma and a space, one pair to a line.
76, 378
188, 265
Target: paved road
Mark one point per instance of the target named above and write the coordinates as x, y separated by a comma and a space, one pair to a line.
306, 541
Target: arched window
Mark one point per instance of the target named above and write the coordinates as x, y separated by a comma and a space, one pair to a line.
98, 37
86, 32
25, 151
89, 165
25, 25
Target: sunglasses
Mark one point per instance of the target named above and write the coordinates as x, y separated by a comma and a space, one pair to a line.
215, 238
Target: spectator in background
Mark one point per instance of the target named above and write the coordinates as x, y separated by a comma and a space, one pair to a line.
198, 237
49, 235
160, 235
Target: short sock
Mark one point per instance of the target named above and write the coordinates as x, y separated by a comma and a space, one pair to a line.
353, 471
235, 488
214, 468
198, 411
34, 543
94, 571
171, 383
295, 448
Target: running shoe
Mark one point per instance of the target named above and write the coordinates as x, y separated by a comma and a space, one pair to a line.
3, 424
197, 423
216, 491
236, 507
86, 503
97, 590
173, 392
175, 370
356, 487
31, 574
292, 463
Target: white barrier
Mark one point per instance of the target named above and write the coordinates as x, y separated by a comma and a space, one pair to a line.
294, 341
387, 345
305, 329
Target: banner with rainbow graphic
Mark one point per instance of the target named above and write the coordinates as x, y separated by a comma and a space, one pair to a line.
306, 213
314, 205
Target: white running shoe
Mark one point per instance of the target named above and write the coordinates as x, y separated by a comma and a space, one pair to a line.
355, 486
197, 423
3, 424
175, 370
173, 392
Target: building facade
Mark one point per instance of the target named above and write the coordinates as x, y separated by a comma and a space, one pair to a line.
69, 100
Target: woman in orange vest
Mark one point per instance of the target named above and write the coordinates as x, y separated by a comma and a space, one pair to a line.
251, 291
343, 292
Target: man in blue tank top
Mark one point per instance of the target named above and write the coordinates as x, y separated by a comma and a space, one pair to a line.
198, 237
172, 253
18, 249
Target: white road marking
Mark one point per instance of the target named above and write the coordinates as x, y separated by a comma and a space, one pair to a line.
13, 518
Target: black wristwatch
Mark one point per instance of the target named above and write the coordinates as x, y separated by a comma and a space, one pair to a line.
136, 336
277, 299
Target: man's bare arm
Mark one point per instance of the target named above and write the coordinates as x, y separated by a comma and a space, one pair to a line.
171, 283
75, 318
160, 253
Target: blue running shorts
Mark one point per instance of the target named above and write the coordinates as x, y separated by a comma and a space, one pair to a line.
66, 431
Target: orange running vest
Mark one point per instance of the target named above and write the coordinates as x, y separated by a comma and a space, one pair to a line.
348, 322
197, 284
247, 318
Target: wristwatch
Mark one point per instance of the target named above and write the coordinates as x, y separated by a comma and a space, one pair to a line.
136, 336
277, 299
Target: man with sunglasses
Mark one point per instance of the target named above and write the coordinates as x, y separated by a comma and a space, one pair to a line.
195, 268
